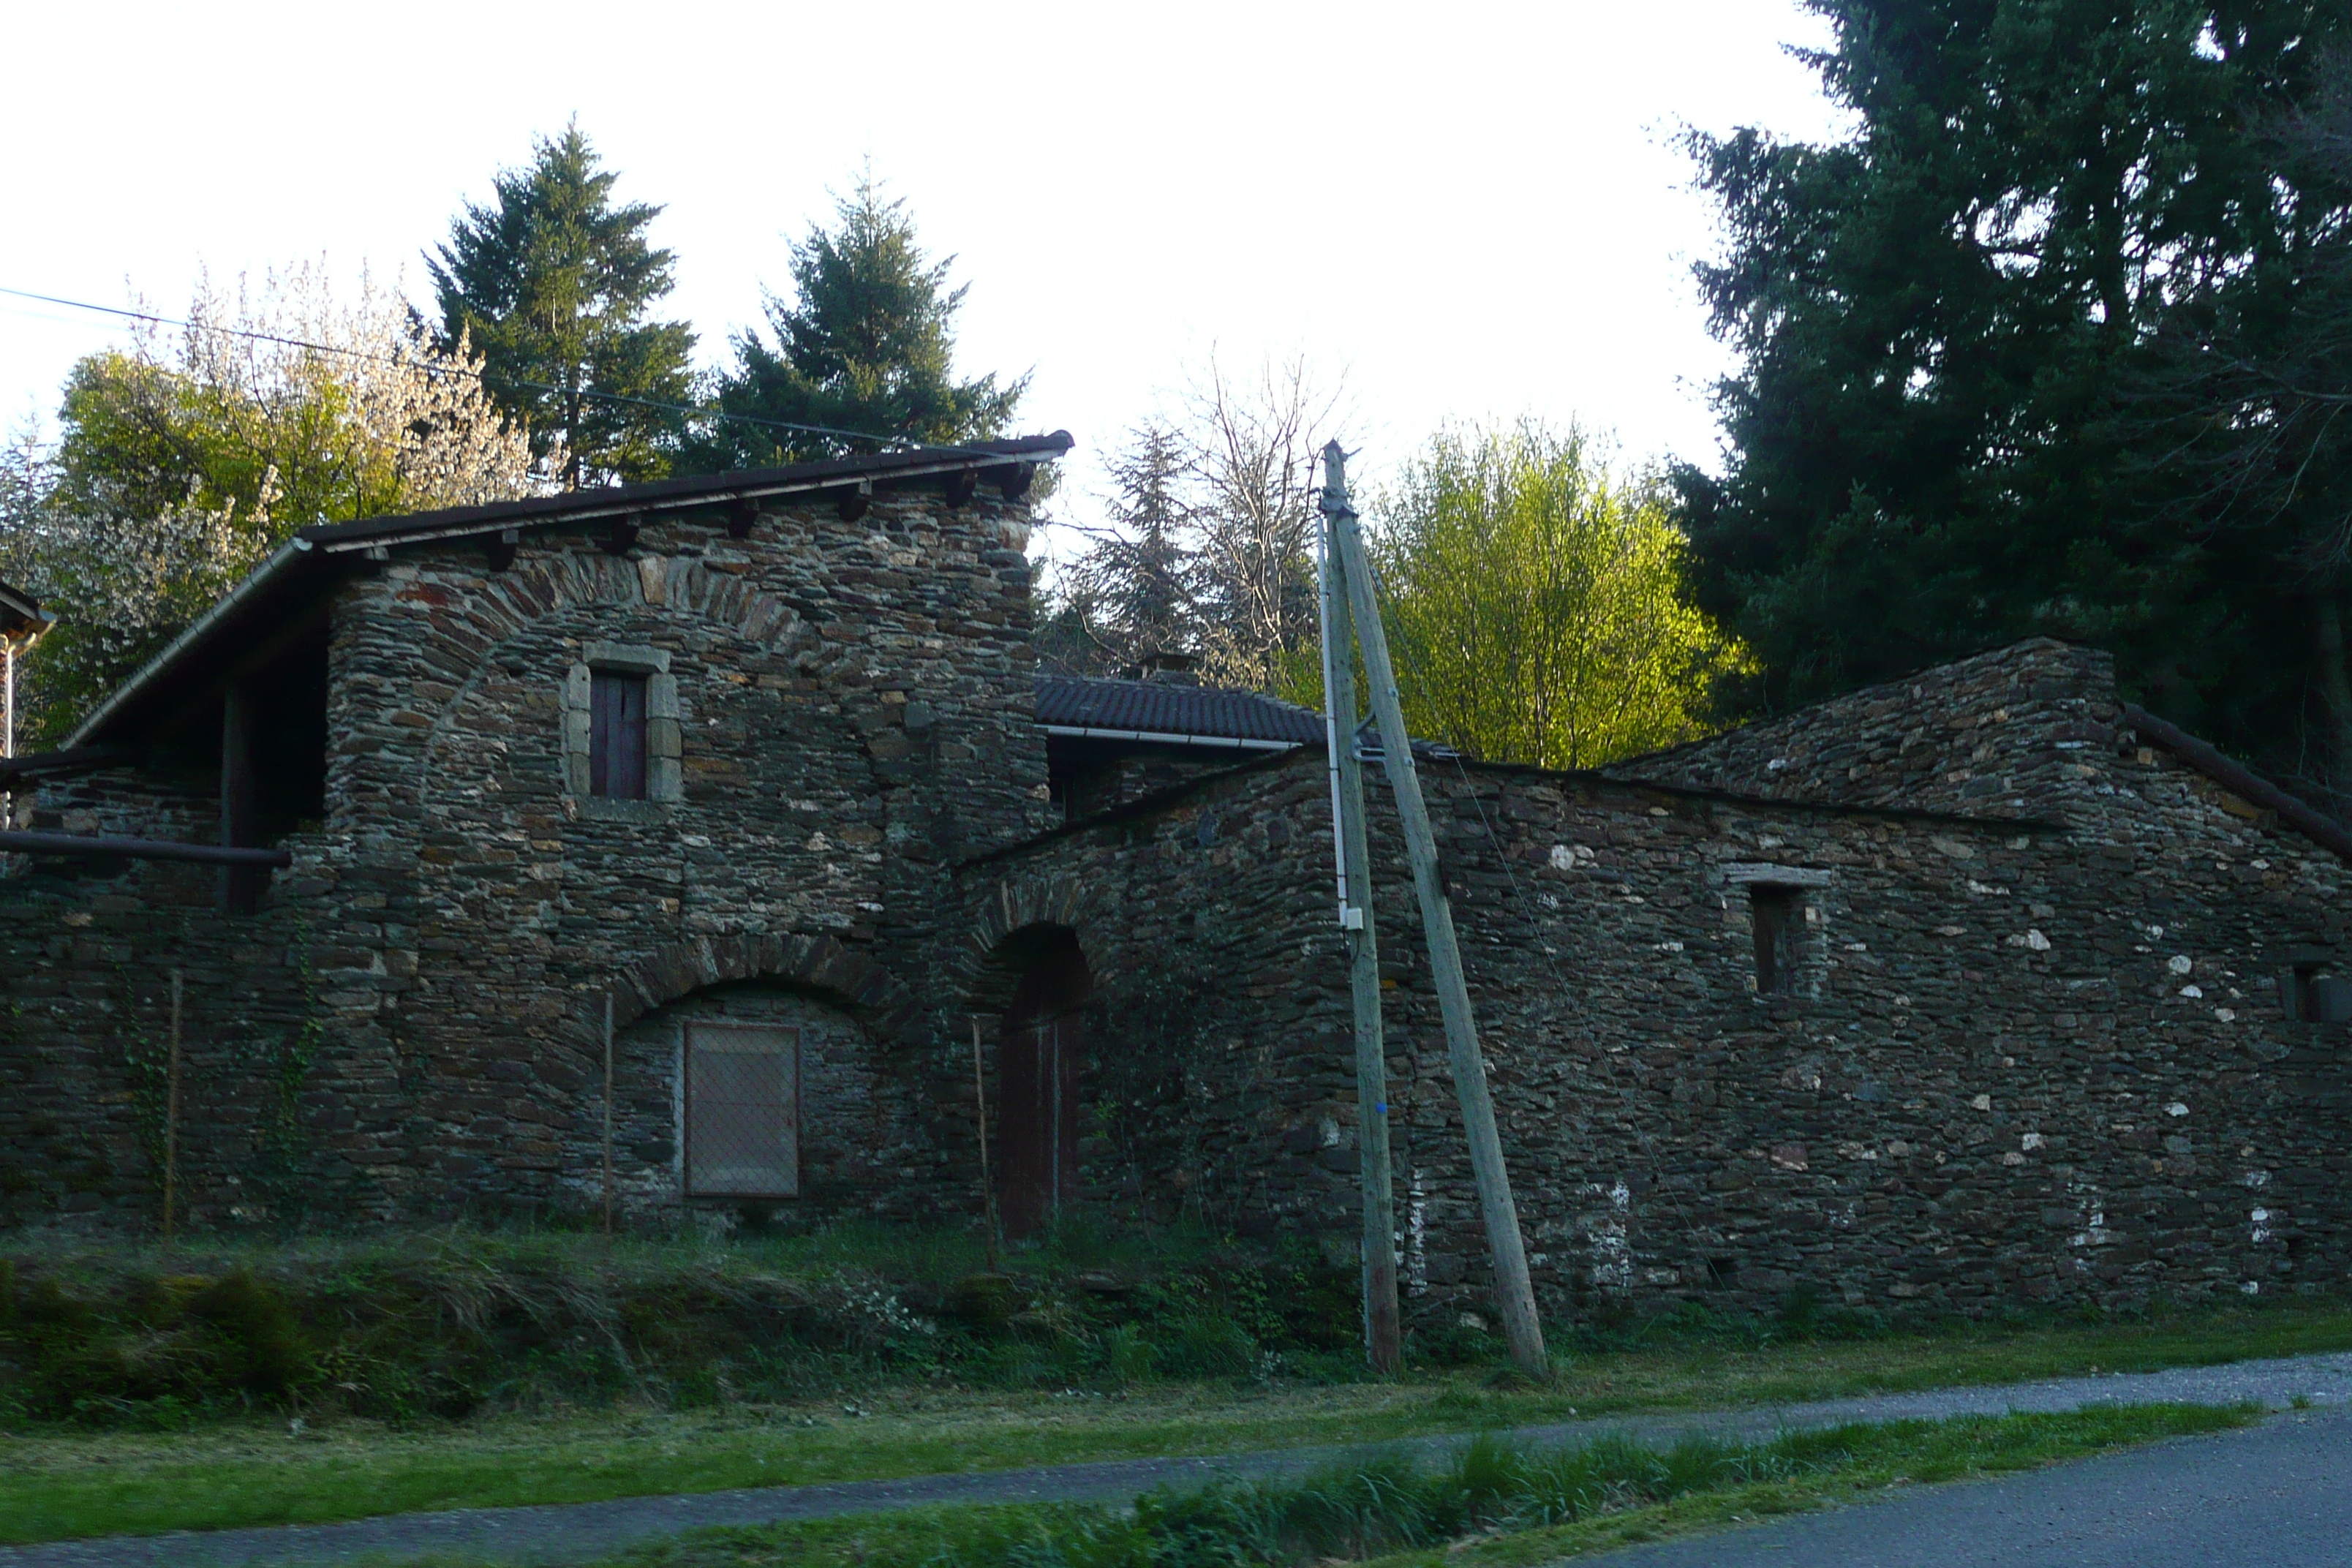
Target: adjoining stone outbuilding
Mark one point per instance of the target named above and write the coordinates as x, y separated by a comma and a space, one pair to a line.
1977, 993
1978, 987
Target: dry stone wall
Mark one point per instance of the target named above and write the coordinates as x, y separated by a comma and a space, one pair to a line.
2027, 1060
854, 711
2004, 734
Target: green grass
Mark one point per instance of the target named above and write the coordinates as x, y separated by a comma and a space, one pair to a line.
67, 1482
1494, 1505
145, 1389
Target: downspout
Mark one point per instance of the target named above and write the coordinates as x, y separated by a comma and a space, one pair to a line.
1324, 588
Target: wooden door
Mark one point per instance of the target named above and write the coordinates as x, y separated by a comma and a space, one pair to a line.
1038, 1059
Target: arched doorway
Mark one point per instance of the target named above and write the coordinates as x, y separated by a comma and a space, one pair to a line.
1038, 1056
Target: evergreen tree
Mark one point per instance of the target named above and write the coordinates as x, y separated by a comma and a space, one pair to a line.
1132, 588
1938, 322
866, 344
553, 284
2235, 419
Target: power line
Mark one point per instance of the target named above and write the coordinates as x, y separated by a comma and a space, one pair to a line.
612, 397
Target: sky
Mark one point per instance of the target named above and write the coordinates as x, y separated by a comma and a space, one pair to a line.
1452, 214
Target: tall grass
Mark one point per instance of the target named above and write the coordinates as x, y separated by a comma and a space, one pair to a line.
446, 1322
1383, 1504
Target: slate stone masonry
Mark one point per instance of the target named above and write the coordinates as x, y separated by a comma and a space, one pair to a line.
850, 702
2029, 1039
2037, 1052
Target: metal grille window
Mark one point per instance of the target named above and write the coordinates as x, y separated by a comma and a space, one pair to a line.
616, 735
742, 1111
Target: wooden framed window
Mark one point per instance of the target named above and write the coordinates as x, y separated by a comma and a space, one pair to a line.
742, 1110
1777, 915
624, 733
617, 734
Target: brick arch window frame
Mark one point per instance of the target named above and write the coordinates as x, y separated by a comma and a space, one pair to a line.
665, 732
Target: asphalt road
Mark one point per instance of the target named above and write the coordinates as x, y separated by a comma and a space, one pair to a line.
2280, 1493
573, 1532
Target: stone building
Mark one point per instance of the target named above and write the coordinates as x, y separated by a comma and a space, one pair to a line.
1980, 987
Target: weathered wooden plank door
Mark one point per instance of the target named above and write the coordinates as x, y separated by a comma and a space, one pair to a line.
1042, 1048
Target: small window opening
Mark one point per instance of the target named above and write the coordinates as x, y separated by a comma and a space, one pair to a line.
1722, 1272
2315, 996
1777, 915
617, 734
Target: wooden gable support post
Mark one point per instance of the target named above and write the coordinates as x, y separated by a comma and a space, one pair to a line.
240, 813
1514, 1295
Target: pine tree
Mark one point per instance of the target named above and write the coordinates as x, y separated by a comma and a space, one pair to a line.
1939, 320
553, 284
866, 344
1133, 587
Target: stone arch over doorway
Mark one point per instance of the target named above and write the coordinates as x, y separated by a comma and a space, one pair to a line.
1028, 961
816, 1016
820, 964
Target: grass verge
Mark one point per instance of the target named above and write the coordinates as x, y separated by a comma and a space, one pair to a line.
67, 1482
1494, 1505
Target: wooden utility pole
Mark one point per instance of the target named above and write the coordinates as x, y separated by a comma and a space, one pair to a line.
1350, 849
1514, 1292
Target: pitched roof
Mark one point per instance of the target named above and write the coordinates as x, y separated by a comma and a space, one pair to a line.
1000, 460
277, 592
1141, 709
20, 613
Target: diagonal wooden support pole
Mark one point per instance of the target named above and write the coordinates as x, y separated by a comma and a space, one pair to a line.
1514, 1292
1383, 1327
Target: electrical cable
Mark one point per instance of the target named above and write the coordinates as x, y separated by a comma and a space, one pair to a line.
486, 380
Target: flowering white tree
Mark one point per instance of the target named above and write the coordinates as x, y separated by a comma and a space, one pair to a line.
184, 459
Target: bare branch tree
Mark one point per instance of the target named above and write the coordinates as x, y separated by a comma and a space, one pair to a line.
1253, 452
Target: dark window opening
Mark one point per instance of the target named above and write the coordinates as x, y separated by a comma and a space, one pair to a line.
2315, 996
1776, 913
273, 754
616, 735
1722, 1272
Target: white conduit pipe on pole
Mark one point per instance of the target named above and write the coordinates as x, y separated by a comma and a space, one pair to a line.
1349, 919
